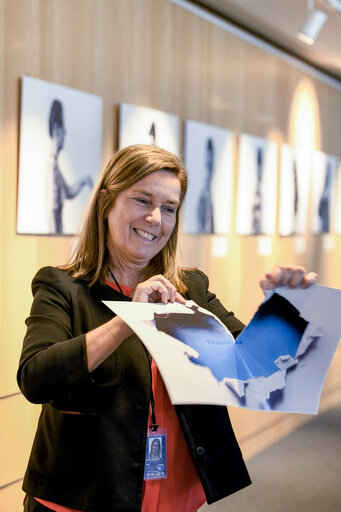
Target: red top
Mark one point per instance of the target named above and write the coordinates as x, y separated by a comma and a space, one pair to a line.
182, 489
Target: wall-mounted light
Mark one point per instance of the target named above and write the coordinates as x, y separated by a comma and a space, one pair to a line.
313, 24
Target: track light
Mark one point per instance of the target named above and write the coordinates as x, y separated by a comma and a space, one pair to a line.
313, 24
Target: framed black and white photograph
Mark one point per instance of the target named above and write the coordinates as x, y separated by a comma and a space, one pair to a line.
60, 156
209, 158
295, 174
144, 125
323, 204
257, 186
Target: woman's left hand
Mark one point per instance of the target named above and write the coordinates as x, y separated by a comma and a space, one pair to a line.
287, 275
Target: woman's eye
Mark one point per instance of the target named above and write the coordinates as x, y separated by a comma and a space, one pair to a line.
141, 200
170, 210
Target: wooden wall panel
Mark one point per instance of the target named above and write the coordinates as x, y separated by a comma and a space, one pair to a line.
11, 498
16, 435
151, 53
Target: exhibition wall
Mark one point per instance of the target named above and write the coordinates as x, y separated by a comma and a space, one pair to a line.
154, 53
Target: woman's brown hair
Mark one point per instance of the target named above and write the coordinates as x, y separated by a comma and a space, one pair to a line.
91, 258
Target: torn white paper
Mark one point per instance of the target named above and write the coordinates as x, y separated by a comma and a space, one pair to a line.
278, 363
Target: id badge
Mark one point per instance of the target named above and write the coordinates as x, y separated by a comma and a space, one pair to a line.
156, 455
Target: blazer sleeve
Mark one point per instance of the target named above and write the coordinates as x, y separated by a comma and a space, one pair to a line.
53, 359
198, 291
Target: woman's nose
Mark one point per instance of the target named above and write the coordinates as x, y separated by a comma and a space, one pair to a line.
154, 216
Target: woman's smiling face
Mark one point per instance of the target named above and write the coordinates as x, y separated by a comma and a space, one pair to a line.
143, 217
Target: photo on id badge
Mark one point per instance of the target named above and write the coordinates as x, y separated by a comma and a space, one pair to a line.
156, 463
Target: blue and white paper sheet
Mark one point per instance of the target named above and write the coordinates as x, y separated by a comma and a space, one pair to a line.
278, 363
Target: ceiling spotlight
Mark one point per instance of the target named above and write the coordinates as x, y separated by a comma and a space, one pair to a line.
313, 24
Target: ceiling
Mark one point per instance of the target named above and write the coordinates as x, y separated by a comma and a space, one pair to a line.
278, 21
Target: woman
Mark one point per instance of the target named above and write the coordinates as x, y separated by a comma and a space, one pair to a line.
155, 449
100, 391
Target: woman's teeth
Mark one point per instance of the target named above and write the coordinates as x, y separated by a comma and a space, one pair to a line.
144, 234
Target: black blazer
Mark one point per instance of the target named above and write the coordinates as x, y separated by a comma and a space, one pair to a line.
94, 461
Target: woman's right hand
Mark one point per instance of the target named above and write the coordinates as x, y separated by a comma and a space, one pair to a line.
104, 340
157, 289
